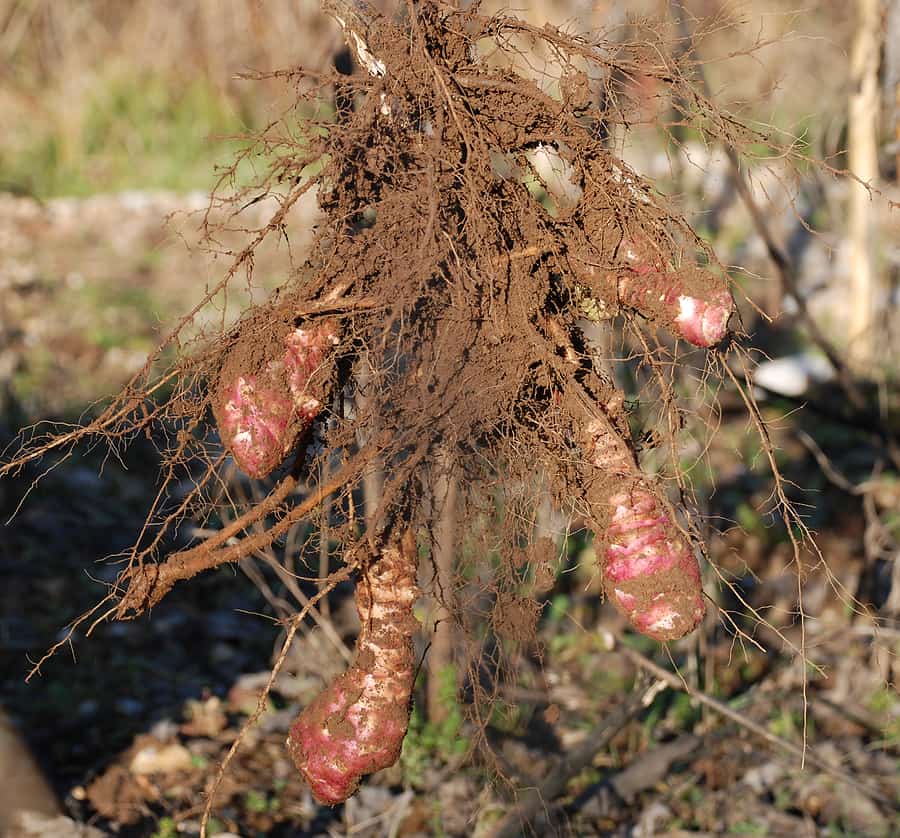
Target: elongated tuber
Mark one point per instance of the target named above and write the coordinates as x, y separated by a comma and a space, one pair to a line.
700, 313
263, 405
650, 572
357, 725
692, 303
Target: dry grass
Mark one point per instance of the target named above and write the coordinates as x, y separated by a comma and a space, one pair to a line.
107, 95
45, 43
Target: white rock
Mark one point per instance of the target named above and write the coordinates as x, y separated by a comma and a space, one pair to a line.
792, 375
763, 777
161, 759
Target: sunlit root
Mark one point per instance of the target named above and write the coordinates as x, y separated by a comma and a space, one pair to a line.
650, 572
691, 302
267, 396
357, 725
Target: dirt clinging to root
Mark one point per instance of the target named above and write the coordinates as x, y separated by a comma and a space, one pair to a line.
439, 321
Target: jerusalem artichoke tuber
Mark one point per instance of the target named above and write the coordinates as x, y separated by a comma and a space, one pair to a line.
357, 725
693, 303
649, 569
260, 413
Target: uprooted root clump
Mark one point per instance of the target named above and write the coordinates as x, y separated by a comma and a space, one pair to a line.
437, 324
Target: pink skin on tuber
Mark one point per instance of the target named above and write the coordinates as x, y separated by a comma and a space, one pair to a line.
649, 286
254, 425
357, 725
306, 351
701, 322
649, 570
263, 414
645, 550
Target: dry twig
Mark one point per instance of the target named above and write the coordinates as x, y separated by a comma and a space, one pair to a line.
805, 753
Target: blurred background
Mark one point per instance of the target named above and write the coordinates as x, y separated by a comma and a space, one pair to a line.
118, 117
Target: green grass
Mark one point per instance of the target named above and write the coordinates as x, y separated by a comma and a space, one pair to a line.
106, 313
427, 743
126, 131
165, 828
748, 828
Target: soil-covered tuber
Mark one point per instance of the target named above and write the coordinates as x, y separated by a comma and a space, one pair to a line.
691, 302
264, 404
357, 725
649, 569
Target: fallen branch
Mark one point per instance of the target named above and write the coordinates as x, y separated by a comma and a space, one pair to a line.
804, 754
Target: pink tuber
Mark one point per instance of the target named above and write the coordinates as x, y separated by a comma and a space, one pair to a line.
692, 303
650, 287
649, 569
261, 413
357, 725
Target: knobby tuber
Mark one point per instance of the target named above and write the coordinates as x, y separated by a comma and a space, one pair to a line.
693, 303
649, 569
357, 725
261, 412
